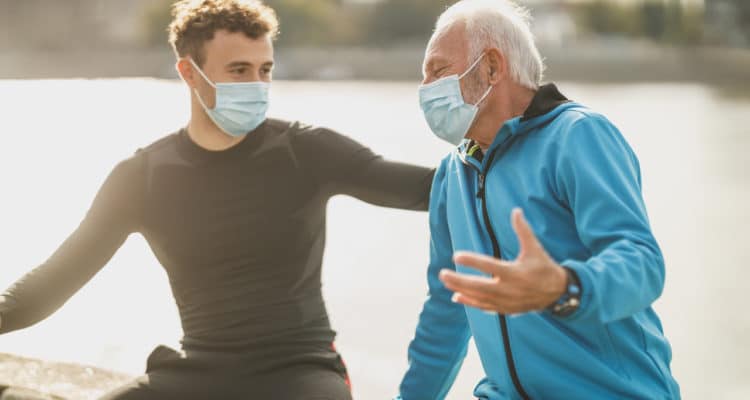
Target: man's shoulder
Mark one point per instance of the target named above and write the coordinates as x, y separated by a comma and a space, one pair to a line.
577, 115
159, 144
583, 129
448, 168
297, 128
281, 125
137, 160
295, 131
575, 125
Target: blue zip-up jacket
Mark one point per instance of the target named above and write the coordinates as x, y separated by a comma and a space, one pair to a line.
579, 184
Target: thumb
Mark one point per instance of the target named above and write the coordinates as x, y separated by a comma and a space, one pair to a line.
529, 244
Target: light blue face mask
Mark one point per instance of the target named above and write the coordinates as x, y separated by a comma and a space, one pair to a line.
444, 108
240, 106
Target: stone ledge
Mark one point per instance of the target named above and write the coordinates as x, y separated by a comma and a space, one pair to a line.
29, 379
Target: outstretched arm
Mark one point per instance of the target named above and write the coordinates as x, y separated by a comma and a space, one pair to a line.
114, 214
345, 166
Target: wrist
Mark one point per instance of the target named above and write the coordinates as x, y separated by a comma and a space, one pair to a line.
570, 298
560, 284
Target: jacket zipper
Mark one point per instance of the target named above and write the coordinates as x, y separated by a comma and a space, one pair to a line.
498, 254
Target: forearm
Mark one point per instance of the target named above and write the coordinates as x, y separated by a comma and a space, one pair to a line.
598, 176
46, 288
31, 299
391, 184
437, 352
442, 335
114, 214
622, 280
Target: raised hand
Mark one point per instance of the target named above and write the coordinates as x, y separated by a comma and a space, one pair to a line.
531, 282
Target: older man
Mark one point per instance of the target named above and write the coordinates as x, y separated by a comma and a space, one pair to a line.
570, 317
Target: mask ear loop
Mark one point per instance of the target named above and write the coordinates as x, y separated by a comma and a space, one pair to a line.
200, 71
195, 90
489, 89
471, 67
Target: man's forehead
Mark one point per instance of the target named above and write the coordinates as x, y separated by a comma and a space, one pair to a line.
228, 47
447, 45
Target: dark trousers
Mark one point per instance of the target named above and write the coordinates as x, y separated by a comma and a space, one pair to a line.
171, 376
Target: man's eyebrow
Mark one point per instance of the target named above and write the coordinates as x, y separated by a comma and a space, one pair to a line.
234, 64
437, 60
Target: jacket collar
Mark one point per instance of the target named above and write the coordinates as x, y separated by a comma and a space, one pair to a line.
544, 107
546, 99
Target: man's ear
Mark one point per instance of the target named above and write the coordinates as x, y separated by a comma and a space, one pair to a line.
498, 66
186, 71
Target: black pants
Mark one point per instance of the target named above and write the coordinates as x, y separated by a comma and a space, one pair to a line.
172, 376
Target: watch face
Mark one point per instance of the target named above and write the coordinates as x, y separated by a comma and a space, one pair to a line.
570, 300
566, 309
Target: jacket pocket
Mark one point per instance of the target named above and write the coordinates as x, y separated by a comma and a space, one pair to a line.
613, 355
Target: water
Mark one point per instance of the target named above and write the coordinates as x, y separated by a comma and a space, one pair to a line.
61, 138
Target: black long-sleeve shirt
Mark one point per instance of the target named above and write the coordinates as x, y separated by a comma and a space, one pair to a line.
240, 232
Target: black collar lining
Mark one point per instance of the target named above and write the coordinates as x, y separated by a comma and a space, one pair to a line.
546, 99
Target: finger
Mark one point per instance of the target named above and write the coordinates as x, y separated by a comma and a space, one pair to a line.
478, 287
473, 302
502, 269
479, 294
529, 244
463, 282
499, 297
481, 262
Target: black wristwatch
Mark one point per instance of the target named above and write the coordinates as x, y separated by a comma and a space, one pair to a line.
569, 302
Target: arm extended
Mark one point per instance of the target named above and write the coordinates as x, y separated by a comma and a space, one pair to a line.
111, 218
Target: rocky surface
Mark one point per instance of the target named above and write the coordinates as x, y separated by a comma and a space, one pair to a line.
28, 379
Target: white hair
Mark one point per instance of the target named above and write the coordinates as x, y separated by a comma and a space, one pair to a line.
502, 24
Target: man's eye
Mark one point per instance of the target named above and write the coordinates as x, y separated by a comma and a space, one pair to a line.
239, 71
266, 71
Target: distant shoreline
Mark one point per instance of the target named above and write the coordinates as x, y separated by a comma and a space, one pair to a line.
599, 61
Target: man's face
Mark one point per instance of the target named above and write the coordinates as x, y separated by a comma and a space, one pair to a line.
448, 54
233, 57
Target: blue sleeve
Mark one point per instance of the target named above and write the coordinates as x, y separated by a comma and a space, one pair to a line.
598, 177
441, 340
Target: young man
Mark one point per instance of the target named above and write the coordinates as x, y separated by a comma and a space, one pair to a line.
570, 317
234, 208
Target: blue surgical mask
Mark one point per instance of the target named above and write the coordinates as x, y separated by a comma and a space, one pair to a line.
240, 106
444, 108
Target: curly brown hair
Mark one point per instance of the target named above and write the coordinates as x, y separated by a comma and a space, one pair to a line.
196, 21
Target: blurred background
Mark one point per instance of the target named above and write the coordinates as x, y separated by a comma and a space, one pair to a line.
673, 40
84, 83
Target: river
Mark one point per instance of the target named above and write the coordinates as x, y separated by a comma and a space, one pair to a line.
60, 138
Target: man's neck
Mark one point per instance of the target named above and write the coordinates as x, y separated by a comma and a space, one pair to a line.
500, 110
204, 132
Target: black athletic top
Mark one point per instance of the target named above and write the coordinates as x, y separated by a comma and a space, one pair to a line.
240, 232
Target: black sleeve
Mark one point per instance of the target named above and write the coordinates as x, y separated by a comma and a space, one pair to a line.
114, 214
345, 166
